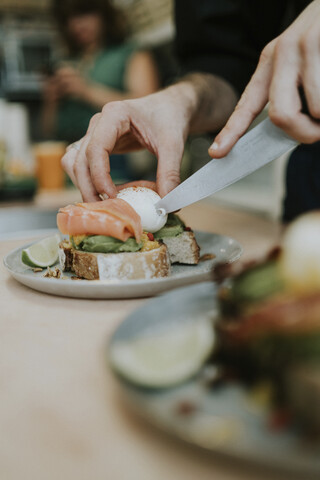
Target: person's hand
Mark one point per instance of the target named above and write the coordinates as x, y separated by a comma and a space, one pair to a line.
158, 122
70, 82
290, 61
51, 91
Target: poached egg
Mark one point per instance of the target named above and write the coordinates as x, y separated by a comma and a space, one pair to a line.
143, 201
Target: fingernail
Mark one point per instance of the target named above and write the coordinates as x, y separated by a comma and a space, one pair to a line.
214, 146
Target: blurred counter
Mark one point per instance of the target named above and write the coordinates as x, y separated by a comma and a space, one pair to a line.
53, 199
60, 413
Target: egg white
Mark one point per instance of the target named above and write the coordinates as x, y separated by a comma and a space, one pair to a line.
143, 201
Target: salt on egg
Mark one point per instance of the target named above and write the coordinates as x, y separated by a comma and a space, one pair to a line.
143, 201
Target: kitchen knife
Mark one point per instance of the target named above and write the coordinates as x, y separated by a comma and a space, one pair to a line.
259, 146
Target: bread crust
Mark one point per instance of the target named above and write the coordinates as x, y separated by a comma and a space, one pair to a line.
66, 255
122, 266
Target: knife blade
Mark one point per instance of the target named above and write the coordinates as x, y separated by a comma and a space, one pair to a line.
259, 146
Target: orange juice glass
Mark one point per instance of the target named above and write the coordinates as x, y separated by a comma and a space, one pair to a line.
49, 171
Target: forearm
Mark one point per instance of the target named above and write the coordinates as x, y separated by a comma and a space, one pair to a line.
48, 118
210, 101
99, 95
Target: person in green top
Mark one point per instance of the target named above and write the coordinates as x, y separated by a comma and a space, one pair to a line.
100, 67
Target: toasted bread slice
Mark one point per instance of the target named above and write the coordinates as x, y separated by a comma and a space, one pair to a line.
183, 248
121, 266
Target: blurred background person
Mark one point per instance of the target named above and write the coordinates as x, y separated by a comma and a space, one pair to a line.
99, 67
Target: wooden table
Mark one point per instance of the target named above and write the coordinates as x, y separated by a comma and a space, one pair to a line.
61, 416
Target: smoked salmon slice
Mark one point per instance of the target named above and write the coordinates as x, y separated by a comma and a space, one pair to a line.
113, 217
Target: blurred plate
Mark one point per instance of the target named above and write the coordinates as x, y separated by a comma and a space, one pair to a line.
225, 249
225, 420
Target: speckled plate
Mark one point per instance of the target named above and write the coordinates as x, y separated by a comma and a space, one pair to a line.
225, 249
227, 420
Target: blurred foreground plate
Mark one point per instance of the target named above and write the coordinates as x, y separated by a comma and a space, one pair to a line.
225, 249
224, 419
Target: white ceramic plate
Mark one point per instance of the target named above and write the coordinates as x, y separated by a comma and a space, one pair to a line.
225, 249
225, 419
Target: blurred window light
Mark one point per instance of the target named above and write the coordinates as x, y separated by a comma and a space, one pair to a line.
16, 5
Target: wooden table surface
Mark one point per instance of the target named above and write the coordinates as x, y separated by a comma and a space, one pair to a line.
61, 416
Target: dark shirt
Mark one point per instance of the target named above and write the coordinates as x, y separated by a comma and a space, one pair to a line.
226, 37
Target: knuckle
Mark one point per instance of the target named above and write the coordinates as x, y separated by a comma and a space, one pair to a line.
119, 112
65, 161
304, 44
283, 45
90, 151
78, 161
308, 41
94, 119
244, 109
76, 167
171, 175
314, 110
242, 101
267, 52
117, 107
310, 137
280, 118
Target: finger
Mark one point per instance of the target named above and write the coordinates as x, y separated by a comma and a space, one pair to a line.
285, 102
310, 50
67, 163
69, 158
301, 127
82, 174
81, 167
113, 123
284, 99
168, 171
251, 103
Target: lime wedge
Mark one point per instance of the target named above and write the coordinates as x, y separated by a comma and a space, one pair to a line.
42, 254
165, 359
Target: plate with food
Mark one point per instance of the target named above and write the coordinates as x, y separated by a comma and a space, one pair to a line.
119, 248
234, 366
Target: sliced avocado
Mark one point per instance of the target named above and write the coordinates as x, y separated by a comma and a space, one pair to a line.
253, 285
105, 244
172, 228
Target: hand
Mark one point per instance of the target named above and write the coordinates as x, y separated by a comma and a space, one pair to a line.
290, 61
159, 122
51, 91
71, 83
